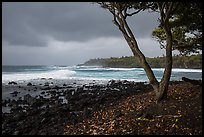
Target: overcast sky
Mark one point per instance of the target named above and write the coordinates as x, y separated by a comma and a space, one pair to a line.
69, 33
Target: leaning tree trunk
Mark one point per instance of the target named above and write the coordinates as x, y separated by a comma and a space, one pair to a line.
130, 38
119, 14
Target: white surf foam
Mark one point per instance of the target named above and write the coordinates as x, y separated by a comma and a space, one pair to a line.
179, 70
187, 70
55, 74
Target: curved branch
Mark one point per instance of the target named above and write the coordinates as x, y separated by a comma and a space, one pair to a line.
130, 14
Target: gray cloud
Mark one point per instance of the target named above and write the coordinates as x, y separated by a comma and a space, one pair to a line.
72, 53
57, 33
31, 23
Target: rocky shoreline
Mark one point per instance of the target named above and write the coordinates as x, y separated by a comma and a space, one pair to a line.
56, 106
93, 109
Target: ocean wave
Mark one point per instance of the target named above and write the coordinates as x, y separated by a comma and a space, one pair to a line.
158, 69
124, 69
106, 79
55, 74
92, 73
59, 67
179, 70
106, 69
187, 70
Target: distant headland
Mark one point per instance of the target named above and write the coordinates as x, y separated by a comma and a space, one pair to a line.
193, 62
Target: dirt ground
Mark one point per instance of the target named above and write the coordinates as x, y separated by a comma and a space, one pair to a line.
179, 114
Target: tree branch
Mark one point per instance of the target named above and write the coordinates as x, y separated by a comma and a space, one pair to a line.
130, 14
168, 12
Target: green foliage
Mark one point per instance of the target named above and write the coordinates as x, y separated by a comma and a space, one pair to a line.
186, 24
193, 61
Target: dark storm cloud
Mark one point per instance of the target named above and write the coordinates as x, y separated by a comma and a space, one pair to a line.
32, 24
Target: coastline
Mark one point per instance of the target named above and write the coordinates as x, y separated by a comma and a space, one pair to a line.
90, 108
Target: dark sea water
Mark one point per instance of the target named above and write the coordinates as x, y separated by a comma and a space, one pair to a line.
84, 73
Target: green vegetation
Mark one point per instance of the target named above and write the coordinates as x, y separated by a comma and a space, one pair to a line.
186, 27
193, 61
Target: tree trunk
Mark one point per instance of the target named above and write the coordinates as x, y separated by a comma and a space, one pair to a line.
161, 87
164, 83
129, 37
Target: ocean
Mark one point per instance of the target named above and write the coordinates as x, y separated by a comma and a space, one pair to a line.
74, 76
23, 74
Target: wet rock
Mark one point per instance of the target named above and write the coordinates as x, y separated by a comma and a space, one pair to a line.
15, 93
79, 89
53, 92
29, 84
27, 96
12, 103
69, 87
30, 100
111, 82
37, 103
46, 84
15, 108
56, 87
19, 101
47, 88
4, 103
12, 82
